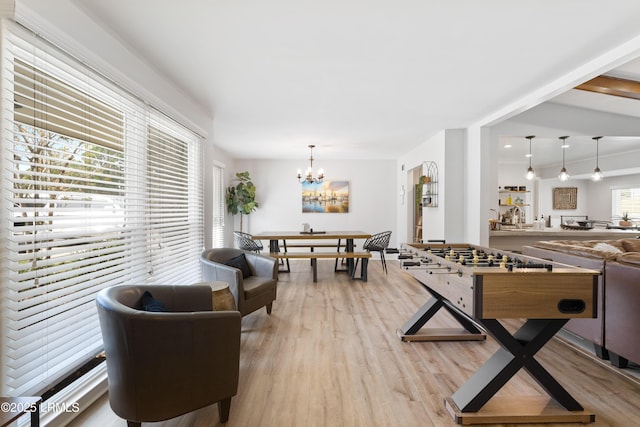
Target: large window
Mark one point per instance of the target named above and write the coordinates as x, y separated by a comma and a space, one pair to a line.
98, 190
625, 200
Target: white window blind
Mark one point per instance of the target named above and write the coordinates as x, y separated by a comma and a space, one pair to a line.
98, 189
218, 207
173, 199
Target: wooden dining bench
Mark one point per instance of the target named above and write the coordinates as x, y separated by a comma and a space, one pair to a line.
312, 246
314, 256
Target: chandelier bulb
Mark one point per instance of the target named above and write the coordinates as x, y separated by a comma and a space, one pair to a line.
564, 176
597, 175
530, 174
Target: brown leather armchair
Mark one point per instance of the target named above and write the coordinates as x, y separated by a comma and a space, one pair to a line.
252, 290
164, 364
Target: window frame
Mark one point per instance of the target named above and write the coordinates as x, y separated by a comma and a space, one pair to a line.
619, 206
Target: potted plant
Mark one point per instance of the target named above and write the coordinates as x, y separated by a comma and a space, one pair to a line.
241, 198
625, 222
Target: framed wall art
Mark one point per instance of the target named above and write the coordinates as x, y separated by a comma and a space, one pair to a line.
325, 197
565, 198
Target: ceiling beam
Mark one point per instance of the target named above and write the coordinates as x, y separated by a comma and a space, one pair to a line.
612, 86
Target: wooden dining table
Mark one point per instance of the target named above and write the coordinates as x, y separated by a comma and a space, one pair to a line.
274, 237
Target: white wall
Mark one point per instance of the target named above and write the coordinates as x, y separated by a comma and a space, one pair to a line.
433, 226
446, 221
373, 199
594, 198
481, 182
547, 186
599, 195
454, 195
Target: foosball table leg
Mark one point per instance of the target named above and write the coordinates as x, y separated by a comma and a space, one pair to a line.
468, 332
517, 352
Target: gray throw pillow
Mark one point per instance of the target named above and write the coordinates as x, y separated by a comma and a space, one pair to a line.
241, 263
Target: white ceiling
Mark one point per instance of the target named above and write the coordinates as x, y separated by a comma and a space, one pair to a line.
546, 149
359, 78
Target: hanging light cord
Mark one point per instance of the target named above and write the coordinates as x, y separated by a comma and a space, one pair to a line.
597, 173
564, 145
530, 172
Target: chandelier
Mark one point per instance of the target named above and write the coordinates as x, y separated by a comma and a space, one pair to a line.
308, 176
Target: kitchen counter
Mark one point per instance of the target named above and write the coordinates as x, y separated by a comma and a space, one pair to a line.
514, 239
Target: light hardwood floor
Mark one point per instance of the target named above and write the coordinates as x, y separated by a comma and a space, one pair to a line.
329, 356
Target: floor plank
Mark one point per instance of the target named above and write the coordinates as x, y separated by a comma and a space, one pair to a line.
329, 356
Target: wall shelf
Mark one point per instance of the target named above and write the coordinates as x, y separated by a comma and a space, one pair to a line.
505, 208
430, 185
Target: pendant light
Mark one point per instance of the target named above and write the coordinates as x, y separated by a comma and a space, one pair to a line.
563, 172
530, 173
597, 174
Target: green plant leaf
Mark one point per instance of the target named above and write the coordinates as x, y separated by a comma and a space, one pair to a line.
241, 197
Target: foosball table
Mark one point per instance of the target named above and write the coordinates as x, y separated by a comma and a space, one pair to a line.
478, 286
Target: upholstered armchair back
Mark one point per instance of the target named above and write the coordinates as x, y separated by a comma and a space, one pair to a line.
252, 278
164, 364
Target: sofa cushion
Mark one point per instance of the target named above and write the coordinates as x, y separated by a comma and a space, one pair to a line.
241, 263
253, 286
149, 303
581, 248
631, 245
632, 258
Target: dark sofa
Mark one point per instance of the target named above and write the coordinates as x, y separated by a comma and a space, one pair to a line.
615, 331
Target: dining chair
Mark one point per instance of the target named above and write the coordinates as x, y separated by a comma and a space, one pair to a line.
246, 243
377, 243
